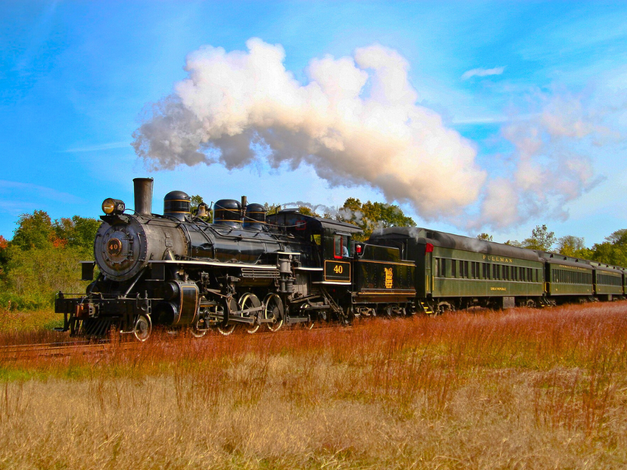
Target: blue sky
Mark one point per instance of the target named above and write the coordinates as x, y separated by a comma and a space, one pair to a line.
534, 93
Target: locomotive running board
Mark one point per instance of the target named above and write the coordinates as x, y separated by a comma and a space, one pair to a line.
218, 264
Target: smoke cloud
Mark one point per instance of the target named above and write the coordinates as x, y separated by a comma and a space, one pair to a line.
356, 122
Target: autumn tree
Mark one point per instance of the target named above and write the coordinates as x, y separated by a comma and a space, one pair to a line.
78, 232
4, 254
485, 236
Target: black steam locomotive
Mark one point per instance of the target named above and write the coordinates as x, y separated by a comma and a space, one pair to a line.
252, 269
245, 268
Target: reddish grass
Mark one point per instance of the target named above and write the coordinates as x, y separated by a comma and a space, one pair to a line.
520, 388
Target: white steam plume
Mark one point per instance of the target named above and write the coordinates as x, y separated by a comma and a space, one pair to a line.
356, 122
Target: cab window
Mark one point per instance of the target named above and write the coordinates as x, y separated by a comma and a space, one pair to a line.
340, 247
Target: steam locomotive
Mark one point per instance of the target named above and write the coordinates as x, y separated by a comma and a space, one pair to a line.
245, 268
251, 269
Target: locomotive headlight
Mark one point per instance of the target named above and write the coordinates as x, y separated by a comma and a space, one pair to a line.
113, 206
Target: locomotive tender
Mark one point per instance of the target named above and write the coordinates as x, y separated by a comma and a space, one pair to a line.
252, 269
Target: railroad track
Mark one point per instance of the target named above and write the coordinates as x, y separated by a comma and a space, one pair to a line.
26, 352
51, 350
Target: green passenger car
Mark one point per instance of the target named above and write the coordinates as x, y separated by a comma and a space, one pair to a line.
453, 271
608, 281
567, 279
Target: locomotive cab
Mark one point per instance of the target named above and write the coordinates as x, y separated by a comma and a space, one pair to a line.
329, 244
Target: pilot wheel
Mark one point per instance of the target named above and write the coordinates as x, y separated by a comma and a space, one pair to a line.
142, 327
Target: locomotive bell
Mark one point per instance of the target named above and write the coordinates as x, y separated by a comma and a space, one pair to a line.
176, 204
202, 210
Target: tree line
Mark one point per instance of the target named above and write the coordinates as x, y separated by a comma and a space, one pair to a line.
43, 258
44, 255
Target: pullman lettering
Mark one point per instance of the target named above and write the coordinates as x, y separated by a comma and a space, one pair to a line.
498, 259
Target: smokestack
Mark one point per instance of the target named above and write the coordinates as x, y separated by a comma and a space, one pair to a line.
143, 196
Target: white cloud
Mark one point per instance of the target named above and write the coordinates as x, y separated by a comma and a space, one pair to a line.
552, 163
482, 72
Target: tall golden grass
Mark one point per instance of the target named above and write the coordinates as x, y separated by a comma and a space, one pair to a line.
516, 389
19, 327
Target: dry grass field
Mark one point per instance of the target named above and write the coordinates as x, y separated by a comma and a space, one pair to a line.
516, 389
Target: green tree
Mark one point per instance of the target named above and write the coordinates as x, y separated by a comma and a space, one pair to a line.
485, 236
43, 258
570, 245
33, 231
541, 239
271, 208
618, 238
78, 232
613, 250
370, 216
34, 276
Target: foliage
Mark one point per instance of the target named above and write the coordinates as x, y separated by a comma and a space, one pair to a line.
271, 208
79, 232
33, 231
541, 239
4, 254
485, 236
371, 216
43, 258
572, 246
613, 250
